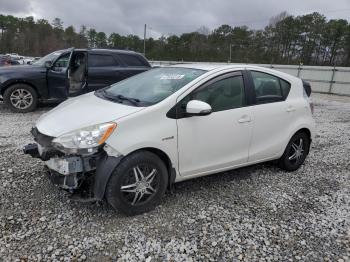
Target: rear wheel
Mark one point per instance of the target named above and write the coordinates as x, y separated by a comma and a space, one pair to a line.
137, 184
295, 152
21, 98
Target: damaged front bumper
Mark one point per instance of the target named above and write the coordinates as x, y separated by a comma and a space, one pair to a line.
63, 165
65, 171
72, 164
74, 173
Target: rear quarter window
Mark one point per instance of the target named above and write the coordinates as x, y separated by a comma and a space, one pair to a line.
132, 60
307, 88
285, 86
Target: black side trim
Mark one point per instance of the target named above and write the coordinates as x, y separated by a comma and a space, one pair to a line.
105, 167
249, 87
172, 180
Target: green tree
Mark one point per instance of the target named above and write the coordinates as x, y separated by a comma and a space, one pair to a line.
308, 39
101, 40
92, 37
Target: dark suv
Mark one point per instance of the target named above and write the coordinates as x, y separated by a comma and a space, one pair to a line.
66, 73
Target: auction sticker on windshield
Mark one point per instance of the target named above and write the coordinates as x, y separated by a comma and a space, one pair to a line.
171, 76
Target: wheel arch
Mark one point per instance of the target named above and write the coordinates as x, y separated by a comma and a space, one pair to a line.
301, 128
166, 160
284, 162
8, 85
106, 165
306, 131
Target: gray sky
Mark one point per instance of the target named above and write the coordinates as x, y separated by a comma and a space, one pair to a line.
168, 17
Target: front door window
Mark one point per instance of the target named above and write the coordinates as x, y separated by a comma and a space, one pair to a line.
222, 95
61, 63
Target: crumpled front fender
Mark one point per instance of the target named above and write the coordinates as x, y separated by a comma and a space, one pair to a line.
105, 167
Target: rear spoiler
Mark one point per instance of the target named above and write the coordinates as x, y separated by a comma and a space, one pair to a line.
307, 87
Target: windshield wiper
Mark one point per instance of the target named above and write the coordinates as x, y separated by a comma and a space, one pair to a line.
133, 101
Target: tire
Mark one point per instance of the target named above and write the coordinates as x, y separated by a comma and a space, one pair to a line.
123, 188
295, 153
21, 98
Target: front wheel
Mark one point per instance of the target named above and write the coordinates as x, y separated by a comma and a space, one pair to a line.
21, 98
295, 152
137, 184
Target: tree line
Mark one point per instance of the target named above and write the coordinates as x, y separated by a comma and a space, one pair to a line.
309, 39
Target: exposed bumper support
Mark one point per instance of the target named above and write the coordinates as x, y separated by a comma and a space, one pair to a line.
68, 182
32, 150
72, 164
68, 171
64, 165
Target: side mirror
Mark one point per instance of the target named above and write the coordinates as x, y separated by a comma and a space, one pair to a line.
198, 108
48, 64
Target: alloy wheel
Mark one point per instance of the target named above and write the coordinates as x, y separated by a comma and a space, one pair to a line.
296, 151
21, 98
140, 185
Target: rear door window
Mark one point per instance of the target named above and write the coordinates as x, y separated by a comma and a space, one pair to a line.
101, 60
132, 60
269, 88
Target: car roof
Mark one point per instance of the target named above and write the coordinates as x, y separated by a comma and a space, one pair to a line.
105, 50
209, 66
100, 50
224, 66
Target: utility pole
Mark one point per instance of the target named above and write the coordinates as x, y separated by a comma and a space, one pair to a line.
144, 40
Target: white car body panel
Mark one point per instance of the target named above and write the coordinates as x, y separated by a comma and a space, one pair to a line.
196, 146
156, 127
148, 128
213, 142
79, 112
272, 121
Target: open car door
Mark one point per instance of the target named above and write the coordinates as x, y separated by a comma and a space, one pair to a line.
58, 76
77, 74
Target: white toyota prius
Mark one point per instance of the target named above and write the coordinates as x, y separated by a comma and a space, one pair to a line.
129, 142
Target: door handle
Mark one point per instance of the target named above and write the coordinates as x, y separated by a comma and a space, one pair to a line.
244, 119
290, 109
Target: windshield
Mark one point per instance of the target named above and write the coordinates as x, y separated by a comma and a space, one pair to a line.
153, 86
50, 57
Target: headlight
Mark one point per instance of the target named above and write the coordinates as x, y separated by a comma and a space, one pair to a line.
85, 138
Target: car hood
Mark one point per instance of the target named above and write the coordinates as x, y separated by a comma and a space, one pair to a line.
80, 112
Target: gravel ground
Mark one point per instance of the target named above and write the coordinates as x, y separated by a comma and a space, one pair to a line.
255, 213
